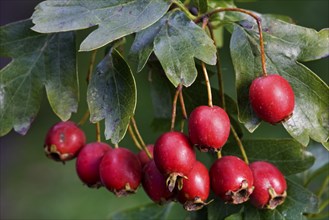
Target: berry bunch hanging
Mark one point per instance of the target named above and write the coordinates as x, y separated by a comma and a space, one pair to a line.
166, 39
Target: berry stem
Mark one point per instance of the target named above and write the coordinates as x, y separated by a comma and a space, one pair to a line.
219, 154
98, 132
204, 69
116, 145
143, 145
323, 187
133, 137
174, 105
91, 65
218, 68
84, 118
182, 104
259, 25
239, 142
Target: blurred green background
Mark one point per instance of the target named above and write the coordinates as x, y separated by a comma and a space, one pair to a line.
33, 187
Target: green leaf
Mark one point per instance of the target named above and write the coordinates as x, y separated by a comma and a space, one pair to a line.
161, 92
142, 46
150, 211
218, 210
112, 95
298, 201
285, 45
38, 60
115, 18
283, 153
176, 45
235, 216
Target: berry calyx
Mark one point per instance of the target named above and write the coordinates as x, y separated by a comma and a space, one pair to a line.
120, 171
154, 184
272, 98
270, 185
87, 163
231, 179
196, 188
174, 157
209, 128
142, 156
63, 141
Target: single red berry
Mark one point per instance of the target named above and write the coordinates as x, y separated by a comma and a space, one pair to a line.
63, 141
196, 188
231, 179
154, 184
272, 98
174, 156
87, 163
270, 185
120, 171
142, 156
209, 127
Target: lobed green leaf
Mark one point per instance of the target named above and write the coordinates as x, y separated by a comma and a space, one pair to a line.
176, 45
115, 18
38, 60
112, 95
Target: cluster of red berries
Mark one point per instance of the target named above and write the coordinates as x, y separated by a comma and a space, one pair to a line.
174, 174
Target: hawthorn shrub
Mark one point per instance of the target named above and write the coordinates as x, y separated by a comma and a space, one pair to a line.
178, 45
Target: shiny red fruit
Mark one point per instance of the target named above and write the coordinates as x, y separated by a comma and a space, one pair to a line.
120, 171
87, 163
270, 185
142, 156
196, 188
154, 184
272, 98
63, 141
209, 127
174, 156
231, 179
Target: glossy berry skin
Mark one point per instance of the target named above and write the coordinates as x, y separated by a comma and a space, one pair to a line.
154, 184
196, 188
87, 163
63, 141
142, 156
120, 171
209, 127
272, 98
174, 157
231, 179
270, 185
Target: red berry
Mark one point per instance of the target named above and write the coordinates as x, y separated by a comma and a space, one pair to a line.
142, 156
209, 127
231, 179
120, 171
174, 156
270, 185
272, 98
196, 188
154, 184
87, 163
63, 141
